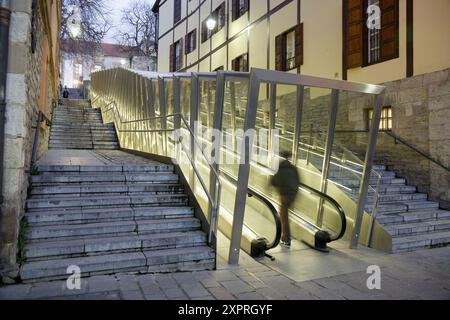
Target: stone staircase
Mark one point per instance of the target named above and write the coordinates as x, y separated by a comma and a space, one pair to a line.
106, 211
413, 221
76, 126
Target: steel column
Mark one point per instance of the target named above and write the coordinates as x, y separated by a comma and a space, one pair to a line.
368, 166
328, 152
298, 123
244, 170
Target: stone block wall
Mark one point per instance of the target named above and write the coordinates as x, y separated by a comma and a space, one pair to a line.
22, 107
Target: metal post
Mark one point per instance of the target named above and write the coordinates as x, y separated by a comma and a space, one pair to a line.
272, 116
244, 170
177, 117
193, 121
328, 152
298, 123
233, 112
216, 145
368, 166
162, 108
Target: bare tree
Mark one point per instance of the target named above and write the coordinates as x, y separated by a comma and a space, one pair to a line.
93, 23
139, 27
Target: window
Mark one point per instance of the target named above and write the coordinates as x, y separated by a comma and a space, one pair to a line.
239, 8
240, 64
177, 11
373, 40
191, 41
219, 16
176, 56
386, 119
289, 49
367, 45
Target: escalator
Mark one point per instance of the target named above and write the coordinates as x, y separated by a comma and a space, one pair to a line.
303, 230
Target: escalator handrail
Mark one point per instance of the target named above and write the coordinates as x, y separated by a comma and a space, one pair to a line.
254, 193
335, 204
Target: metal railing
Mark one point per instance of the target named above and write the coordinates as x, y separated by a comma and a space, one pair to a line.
41, 118
149, 107
214, 200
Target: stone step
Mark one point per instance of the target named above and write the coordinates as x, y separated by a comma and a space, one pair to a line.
100, 201
409, 229
80, 190
97, 230
73, 216
417, 242
185, 259
120, 244
398, 197
159, 177
355, 183
83, 135
78, 141
406, 206
412, 217
147, 168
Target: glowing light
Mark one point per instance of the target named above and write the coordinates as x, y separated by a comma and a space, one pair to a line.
211, 23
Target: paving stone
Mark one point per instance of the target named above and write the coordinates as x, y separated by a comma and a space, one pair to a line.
132, 295
236, 286
174, 293
14, 292
221, 293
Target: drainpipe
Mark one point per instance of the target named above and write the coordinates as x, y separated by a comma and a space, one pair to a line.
5, 14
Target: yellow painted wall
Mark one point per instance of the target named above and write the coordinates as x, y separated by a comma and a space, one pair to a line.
431, 35
322, 21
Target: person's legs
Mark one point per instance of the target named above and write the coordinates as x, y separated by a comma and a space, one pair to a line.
284, 217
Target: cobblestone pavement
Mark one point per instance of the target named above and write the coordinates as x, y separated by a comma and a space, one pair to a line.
418, 275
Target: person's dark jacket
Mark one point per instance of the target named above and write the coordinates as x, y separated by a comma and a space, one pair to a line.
286, 180
66, 94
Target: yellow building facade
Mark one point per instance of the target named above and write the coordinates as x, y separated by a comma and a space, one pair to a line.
415, 29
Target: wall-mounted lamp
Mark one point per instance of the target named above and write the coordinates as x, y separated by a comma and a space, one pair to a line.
211, 23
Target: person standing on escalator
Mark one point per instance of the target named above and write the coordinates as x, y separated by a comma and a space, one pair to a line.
287, 182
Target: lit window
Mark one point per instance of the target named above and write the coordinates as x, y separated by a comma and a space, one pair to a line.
386, 119
290, 50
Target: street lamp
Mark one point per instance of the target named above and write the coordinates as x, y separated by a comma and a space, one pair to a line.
211, 23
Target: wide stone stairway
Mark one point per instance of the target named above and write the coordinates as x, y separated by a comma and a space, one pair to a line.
107, 212
77, 126
413, 221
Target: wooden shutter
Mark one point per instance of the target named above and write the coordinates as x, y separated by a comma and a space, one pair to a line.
299, 45
245, 63
172, 58
234, 9
177, 11
354, 30
389, 29
279, 53
181, 53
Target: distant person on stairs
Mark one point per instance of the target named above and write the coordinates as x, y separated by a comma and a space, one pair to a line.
66, 93
287, 182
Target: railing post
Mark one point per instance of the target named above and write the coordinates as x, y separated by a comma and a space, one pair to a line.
215, 152
195, 94
244, 169
298, 123
328, 152
177, 117
163, 110
272, 119
368, 166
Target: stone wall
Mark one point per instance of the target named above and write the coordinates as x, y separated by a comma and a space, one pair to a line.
421, 113
22, 107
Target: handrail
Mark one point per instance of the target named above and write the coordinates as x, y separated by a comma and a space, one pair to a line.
410, 146
253, 192
340, 210
41, 118
213, 201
